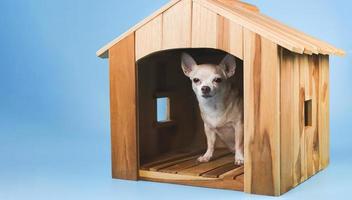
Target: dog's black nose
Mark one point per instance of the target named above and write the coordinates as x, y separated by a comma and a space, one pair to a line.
205, 89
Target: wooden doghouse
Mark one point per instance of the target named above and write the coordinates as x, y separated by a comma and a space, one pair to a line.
285, 77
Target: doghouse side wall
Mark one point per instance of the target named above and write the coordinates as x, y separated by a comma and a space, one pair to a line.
304, 142
123, 110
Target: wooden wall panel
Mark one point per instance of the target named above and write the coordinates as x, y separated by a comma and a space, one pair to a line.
301, 143
311, 130
230, 37
204, 27
287, 120
291, 114
149, 37
262, 115
177, 22
303, 67
123, 110
323, 110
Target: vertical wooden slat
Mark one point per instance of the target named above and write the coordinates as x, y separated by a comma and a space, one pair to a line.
303, 69
123, 109
177, 23
230, 37
149, 37
311, 130
204, 27
323, 116
290, 155
286, 119
296, 123
262, 97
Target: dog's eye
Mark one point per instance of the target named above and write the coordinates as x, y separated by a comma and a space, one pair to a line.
217, 80
195, 80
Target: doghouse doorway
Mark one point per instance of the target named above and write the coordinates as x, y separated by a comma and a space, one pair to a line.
170, 129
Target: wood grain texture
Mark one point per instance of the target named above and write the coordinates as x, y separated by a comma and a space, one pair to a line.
177, 25
301, 144
215, 173
230, 37
240, 13
240, 4
287, 86
123, 110
270, 25
205, 167
252, 25
234, 184
262, 115
149, 37
233, 173
269, 28
204, 27
323, 110
303, 66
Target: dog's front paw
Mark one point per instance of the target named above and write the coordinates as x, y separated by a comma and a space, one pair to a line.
239, 160
204, 158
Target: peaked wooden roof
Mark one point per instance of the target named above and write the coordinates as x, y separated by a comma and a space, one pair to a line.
249, 17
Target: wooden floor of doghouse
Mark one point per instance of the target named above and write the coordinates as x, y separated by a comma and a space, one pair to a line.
183, 168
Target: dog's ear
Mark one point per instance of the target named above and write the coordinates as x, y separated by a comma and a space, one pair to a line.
187, 63
228, 64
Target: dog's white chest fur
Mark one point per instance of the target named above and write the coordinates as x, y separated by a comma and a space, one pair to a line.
222, 115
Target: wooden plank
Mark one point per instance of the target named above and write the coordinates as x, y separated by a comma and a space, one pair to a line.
312, 140
252, 25
287, 120
324, 47
169, 176
240, 4
271, 28
236, 184
180, 166
296, 123
149, 37
205, 167
240, 178
290, 155
233, 173
215, 173
230, 37
190, 163
123, 110
303, 69
177, 22
262, 97
253, 16
170, 163
169, 158
204, 27
323, 111
103, 52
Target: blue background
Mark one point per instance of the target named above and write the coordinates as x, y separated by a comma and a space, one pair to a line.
54, 99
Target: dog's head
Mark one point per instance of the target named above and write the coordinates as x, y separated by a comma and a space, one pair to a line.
208, 80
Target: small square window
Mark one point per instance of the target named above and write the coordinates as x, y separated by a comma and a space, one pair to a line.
163, 109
